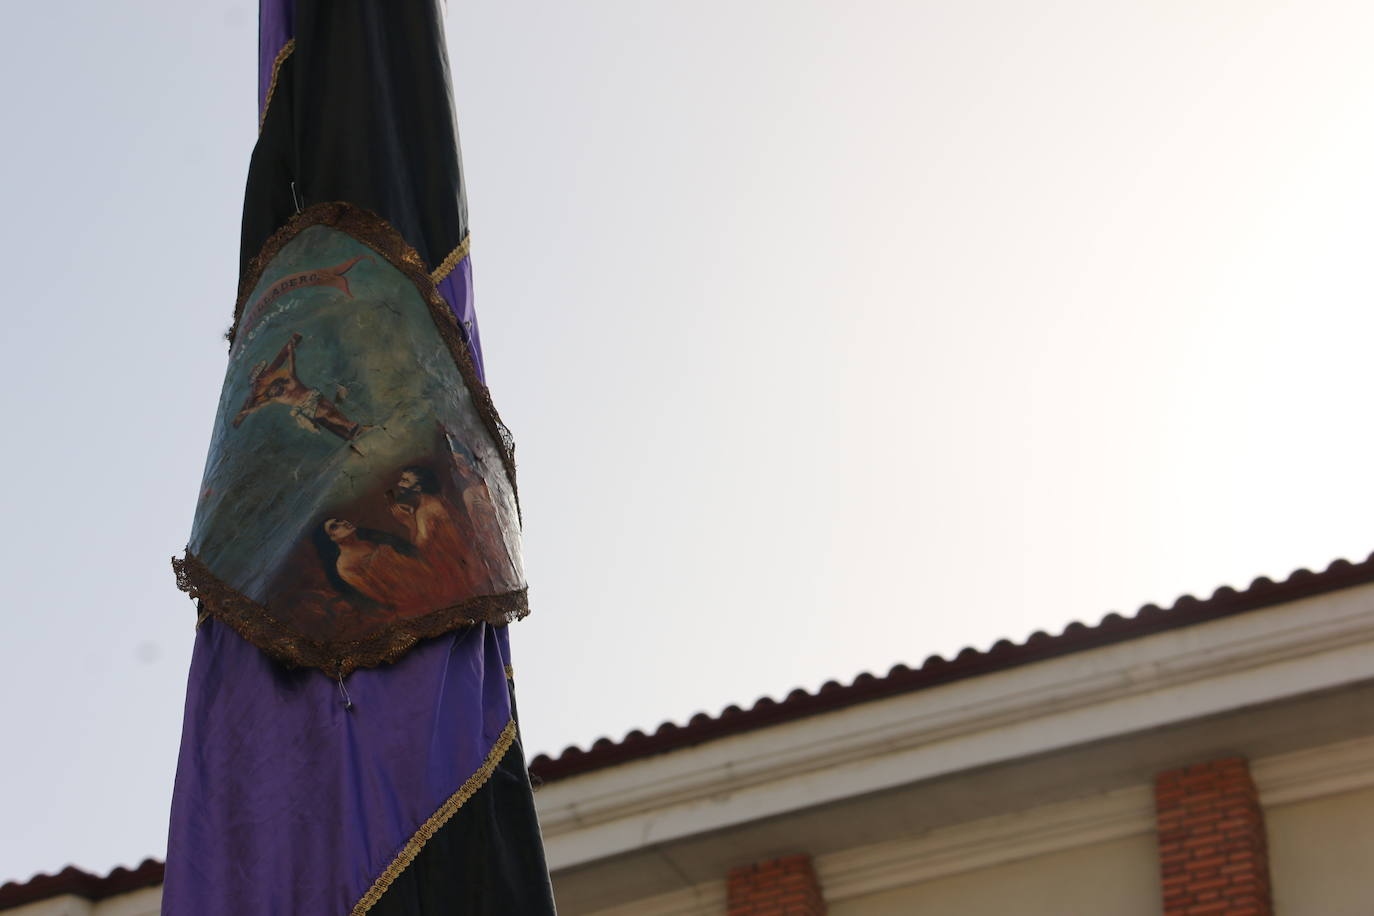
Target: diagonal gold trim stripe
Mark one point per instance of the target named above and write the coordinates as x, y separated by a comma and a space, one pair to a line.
282, 55
447, 264
436, 820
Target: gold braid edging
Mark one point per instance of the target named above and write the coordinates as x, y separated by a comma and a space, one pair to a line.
510, 672
436, 820
282, 55
454, 258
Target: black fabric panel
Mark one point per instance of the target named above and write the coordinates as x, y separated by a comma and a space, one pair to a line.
267, 200
488, 860
363, 113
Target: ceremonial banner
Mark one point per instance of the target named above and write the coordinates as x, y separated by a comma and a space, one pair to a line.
359, 493
350, 744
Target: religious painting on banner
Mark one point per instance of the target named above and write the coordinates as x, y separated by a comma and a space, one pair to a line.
358, 493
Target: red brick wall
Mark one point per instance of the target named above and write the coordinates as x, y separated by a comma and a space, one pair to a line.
1213, 856
780, 887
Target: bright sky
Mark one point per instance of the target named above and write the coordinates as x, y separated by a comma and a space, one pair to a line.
833, 335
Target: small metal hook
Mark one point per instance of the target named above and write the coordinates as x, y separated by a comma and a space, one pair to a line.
343, 691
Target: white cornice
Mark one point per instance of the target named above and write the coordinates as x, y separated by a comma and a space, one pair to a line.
1153, 681
1282, 779
987, 842
706, 899
1315, 772
979, 844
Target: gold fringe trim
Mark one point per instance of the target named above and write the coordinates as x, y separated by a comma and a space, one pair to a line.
255, 623
436, 820
454, 257
282, 55
510, 672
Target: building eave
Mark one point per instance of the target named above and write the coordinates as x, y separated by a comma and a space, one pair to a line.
1154, 682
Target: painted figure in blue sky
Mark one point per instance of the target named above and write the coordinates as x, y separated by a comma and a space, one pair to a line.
276, 383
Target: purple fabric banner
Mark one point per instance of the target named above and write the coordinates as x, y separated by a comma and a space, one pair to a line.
275, 28
456, 289
288, 803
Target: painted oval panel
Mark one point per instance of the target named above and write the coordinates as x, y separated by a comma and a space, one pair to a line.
358, 493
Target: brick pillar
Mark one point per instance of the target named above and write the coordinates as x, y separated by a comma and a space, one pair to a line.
780, 887
1213, 857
